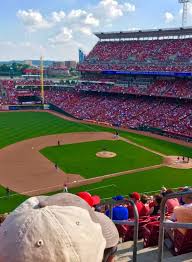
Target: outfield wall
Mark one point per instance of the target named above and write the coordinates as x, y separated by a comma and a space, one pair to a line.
23, 107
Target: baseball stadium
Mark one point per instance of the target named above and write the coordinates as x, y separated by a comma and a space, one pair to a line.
125, 126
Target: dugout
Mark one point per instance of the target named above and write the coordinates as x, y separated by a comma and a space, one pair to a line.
29, 99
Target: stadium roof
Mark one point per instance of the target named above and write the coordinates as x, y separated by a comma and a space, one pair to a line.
156, 33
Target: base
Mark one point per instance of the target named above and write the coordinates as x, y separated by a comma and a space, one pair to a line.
178, 162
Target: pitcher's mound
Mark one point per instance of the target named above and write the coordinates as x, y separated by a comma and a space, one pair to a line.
106, 154
178, 162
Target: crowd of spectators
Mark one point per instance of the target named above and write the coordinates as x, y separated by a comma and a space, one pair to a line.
8, 94
170, 55
128, 112
180, 88
124, 111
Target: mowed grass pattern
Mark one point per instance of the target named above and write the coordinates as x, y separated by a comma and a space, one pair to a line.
164, 147
18, 126
81, 158
145, 181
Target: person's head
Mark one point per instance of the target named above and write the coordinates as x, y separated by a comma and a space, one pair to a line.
118, 198
169, 191
62, 227
157, 199
91, 200
187, 199
109, 254
144, 198
163, 190
135, 196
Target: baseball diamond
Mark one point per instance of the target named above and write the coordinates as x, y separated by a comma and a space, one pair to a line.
137, 156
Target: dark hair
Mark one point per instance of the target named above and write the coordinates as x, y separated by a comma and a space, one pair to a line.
144, 198
108, 253
158, 199
169, 191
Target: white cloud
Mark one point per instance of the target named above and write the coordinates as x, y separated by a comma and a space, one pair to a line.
76, 26
129, 7
91, 20
113, 9
32, 19
64, 36
77, 13
58, 16
169, 17
85, 30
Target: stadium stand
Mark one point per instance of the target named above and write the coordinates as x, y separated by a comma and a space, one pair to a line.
163, 88
149, 55
173, 116
127, 80
153, 50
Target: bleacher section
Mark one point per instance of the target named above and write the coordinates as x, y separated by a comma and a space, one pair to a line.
149, 55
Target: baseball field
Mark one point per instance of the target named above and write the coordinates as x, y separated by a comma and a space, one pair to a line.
32, 162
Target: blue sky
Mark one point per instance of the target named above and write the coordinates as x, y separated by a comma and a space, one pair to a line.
57, 28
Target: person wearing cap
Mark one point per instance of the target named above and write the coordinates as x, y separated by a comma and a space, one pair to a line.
65, 188
57, 228
135, 196
93, 201
119, 212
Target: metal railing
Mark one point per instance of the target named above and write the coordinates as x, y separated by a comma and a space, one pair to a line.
134, 223
166, 224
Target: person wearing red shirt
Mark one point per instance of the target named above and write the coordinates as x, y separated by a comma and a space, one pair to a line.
135, 196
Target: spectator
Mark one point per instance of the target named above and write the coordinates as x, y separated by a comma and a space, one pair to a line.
91, 200
87, 234
181, 214
187, 199
163, 190
135, 196
119, 212
171, 203
145, 201
155, 205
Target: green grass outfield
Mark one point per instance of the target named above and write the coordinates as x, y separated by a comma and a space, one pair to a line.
145, 181
81, 158
17, 126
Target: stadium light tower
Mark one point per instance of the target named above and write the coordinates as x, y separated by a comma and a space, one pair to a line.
185, 9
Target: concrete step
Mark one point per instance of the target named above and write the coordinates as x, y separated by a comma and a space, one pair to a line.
124, 254
183, 258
